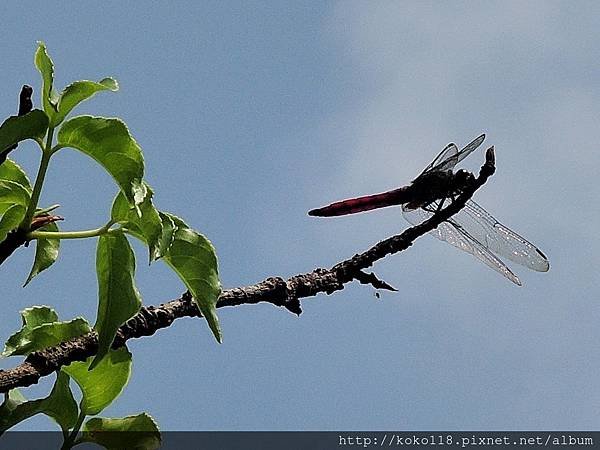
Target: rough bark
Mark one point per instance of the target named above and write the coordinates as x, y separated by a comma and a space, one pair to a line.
274, 290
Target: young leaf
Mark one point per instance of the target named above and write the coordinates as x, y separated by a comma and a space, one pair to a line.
108, 141
11, 171
119, 299
148, 224
30, 318
79, 91
139, 432
37, 337
11, 220
33, 318
101, 385
46, 68
60, 405
46, 253
193, 258
15, 129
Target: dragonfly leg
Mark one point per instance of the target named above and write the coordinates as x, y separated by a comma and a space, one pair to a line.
440, 204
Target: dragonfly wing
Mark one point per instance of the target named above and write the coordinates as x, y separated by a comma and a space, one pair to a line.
501, 239
449, 153
471, 147
452, 160
455, 234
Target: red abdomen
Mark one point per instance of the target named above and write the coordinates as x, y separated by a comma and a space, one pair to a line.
360, 204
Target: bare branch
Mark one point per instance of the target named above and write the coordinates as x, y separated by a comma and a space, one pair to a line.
276, 290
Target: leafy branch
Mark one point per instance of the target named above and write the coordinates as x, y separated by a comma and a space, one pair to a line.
275, 290
191, 256
95, 357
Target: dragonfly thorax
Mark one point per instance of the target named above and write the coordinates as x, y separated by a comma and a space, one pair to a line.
438, 185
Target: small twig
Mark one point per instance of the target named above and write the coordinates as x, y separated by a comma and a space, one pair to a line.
371, 278
15, 239
25, 106
276, 290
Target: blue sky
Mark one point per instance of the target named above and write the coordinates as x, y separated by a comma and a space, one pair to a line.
252, 113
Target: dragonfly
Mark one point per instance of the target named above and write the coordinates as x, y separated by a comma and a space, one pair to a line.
472, 229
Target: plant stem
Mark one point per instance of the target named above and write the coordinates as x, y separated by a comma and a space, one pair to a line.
39, 181
70, 440
71, 234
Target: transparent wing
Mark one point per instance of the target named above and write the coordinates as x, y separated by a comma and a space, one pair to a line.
449, 152
450, 156
460, 237
500, 239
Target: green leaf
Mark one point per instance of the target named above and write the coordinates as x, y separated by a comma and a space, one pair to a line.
14, 198
148, 225
46, 253
79, 91
12, 399
167, 236
11, 220
190, 255
35, 316
12, 193
108, 141
32, 319
11, 171
15, 129
60, 405
58, 106
193, 258
46, 68
119, 299
101, 385
133, 432
33, 337
122, 211
16, 409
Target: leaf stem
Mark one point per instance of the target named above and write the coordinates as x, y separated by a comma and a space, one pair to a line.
56, 148
39, 181
69, 441
72, 234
